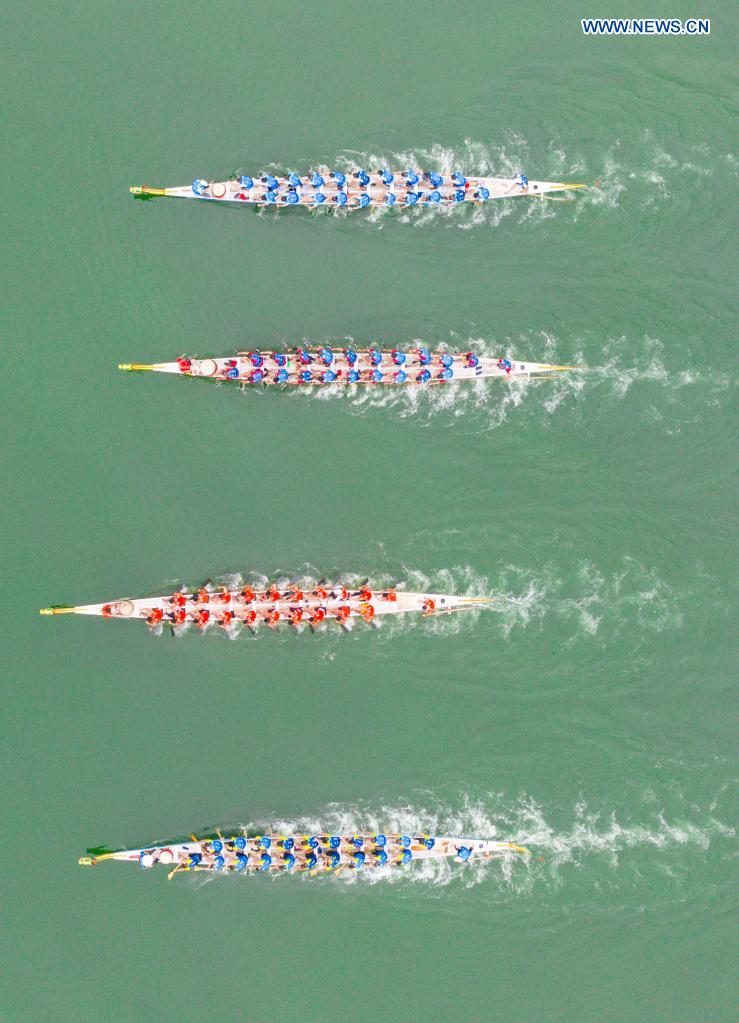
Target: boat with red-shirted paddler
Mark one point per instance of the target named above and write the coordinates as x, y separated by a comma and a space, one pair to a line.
313, 366
295, 605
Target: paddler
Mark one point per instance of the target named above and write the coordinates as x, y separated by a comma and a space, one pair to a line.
445, 374
304, 356
386, 177
400, 376
334, 859
398, 357
353, 376
376, 376
325, 355
362, 177
367, 612
459, 180
178, 616
318, 198
255, 358
270, 181
411, 178
434, 179
520, 181
288, 861
184, 365
154, 617
358, 859
317, 616
256, 376
433, 198
380, 857
295, 615
390, 199
423, 377
279, 358
375, 356
481, 194
424, 356
351, 356
342, 614
282, 376
290, 197
463, 853
316, 180
305, 376
248, 595
341, 198
446, 360
505, 364
201, 617
339, 178
363, 594
225, 620
293, 180
411, 198
459, 195
405, 857
272, 618
472, 360
265, 861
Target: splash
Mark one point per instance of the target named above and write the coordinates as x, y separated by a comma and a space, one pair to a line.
591, 601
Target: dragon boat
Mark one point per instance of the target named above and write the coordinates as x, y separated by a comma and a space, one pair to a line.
293, 605
275, 853
311, 366
359, 189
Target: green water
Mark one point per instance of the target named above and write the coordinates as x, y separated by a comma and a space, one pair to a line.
591, 717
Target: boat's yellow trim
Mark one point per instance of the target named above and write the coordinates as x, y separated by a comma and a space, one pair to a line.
134, 367
145, 190
519, 848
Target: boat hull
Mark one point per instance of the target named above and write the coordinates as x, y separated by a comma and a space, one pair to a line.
277, 853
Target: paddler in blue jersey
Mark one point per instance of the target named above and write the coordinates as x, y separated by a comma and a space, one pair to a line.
434, 179
423, 377
350, 355
325, 355
375, 356
424, 356
362, 177
339, 178
397, 357
304, 356
505, 364
472, 360
271, 182
463, 853
446, 360
390, 199
316, 180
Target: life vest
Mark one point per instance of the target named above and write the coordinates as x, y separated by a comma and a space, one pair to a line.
343, 613
272, 617
505, 364
295, 616
155, 616
256, 376
367, 612
255, 359
365, 595
202, 618
202, 597
248, 594
225, 620
106, 611
390, 595
179, 616
250, 617
296, 595
273, 595
318, 615
225, 597
320, 593
429, 605
179, 599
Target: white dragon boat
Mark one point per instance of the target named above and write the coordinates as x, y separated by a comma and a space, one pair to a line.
231, 608
312, 366
275, 853
359, 189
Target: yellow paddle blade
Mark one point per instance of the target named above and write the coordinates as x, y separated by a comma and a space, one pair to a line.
85, 861
519, 848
